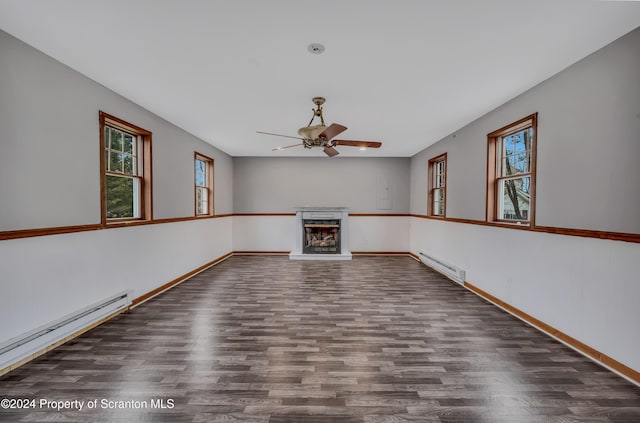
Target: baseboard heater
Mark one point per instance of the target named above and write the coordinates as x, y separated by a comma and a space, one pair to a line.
452, 272
35, 341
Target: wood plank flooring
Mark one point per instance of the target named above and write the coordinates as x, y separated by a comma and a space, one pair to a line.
265, 339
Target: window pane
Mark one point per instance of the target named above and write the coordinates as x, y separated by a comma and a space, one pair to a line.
107, 141
122, 198
128, 164
128, 143
521, 163
202, 203
116, 139
515, 198
507, 167
138, 165
200, 173
438, 174
515, 155
508, 145
519, 139
438, 202
115, 163
203, 208
513, 165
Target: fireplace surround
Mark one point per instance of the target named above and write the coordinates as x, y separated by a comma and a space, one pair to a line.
322, 233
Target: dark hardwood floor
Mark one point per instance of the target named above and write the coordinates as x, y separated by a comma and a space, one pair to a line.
265, 339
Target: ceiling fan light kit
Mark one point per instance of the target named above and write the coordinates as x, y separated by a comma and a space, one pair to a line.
311, 132
322, 135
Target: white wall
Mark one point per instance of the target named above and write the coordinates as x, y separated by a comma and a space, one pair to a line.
379, 233
277, 233
587, 288
264, 233
278, 185
46, 278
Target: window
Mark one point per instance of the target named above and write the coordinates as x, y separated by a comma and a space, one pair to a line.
126, 170
204, 185
511, 172
437, 186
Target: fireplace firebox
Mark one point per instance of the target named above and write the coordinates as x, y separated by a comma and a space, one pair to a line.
321, 236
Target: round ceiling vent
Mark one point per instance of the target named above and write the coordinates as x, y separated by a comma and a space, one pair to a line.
315, 48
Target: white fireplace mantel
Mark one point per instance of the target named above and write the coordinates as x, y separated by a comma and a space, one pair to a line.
324, 213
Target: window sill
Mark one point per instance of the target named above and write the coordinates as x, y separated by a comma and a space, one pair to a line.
511, 225
125, 223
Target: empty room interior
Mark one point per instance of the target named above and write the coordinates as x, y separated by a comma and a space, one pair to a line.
293, 211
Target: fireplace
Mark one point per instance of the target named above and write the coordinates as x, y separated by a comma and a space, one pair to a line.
321, 234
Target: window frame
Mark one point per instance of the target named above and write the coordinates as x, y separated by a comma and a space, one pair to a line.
494, 159
209, 180
143, 146
431, 185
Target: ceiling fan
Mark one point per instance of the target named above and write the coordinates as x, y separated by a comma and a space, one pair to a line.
322, 135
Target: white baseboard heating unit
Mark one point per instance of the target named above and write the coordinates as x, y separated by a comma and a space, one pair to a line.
37, 340
452, 272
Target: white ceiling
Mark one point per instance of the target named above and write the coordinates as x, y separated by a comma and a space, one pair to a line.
406, 73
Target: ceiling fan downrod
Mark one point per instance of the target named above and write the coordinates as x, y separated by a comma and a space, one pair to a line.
317, 112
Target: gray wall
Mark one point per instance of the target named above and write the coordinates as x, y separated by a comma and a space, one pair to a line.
588, 165
49, 146
277, 185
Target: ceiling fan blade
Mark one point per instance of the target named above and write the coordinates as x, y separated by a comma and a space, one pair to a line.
279, 135
330, 151
361, 144
288, 146
333, 130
